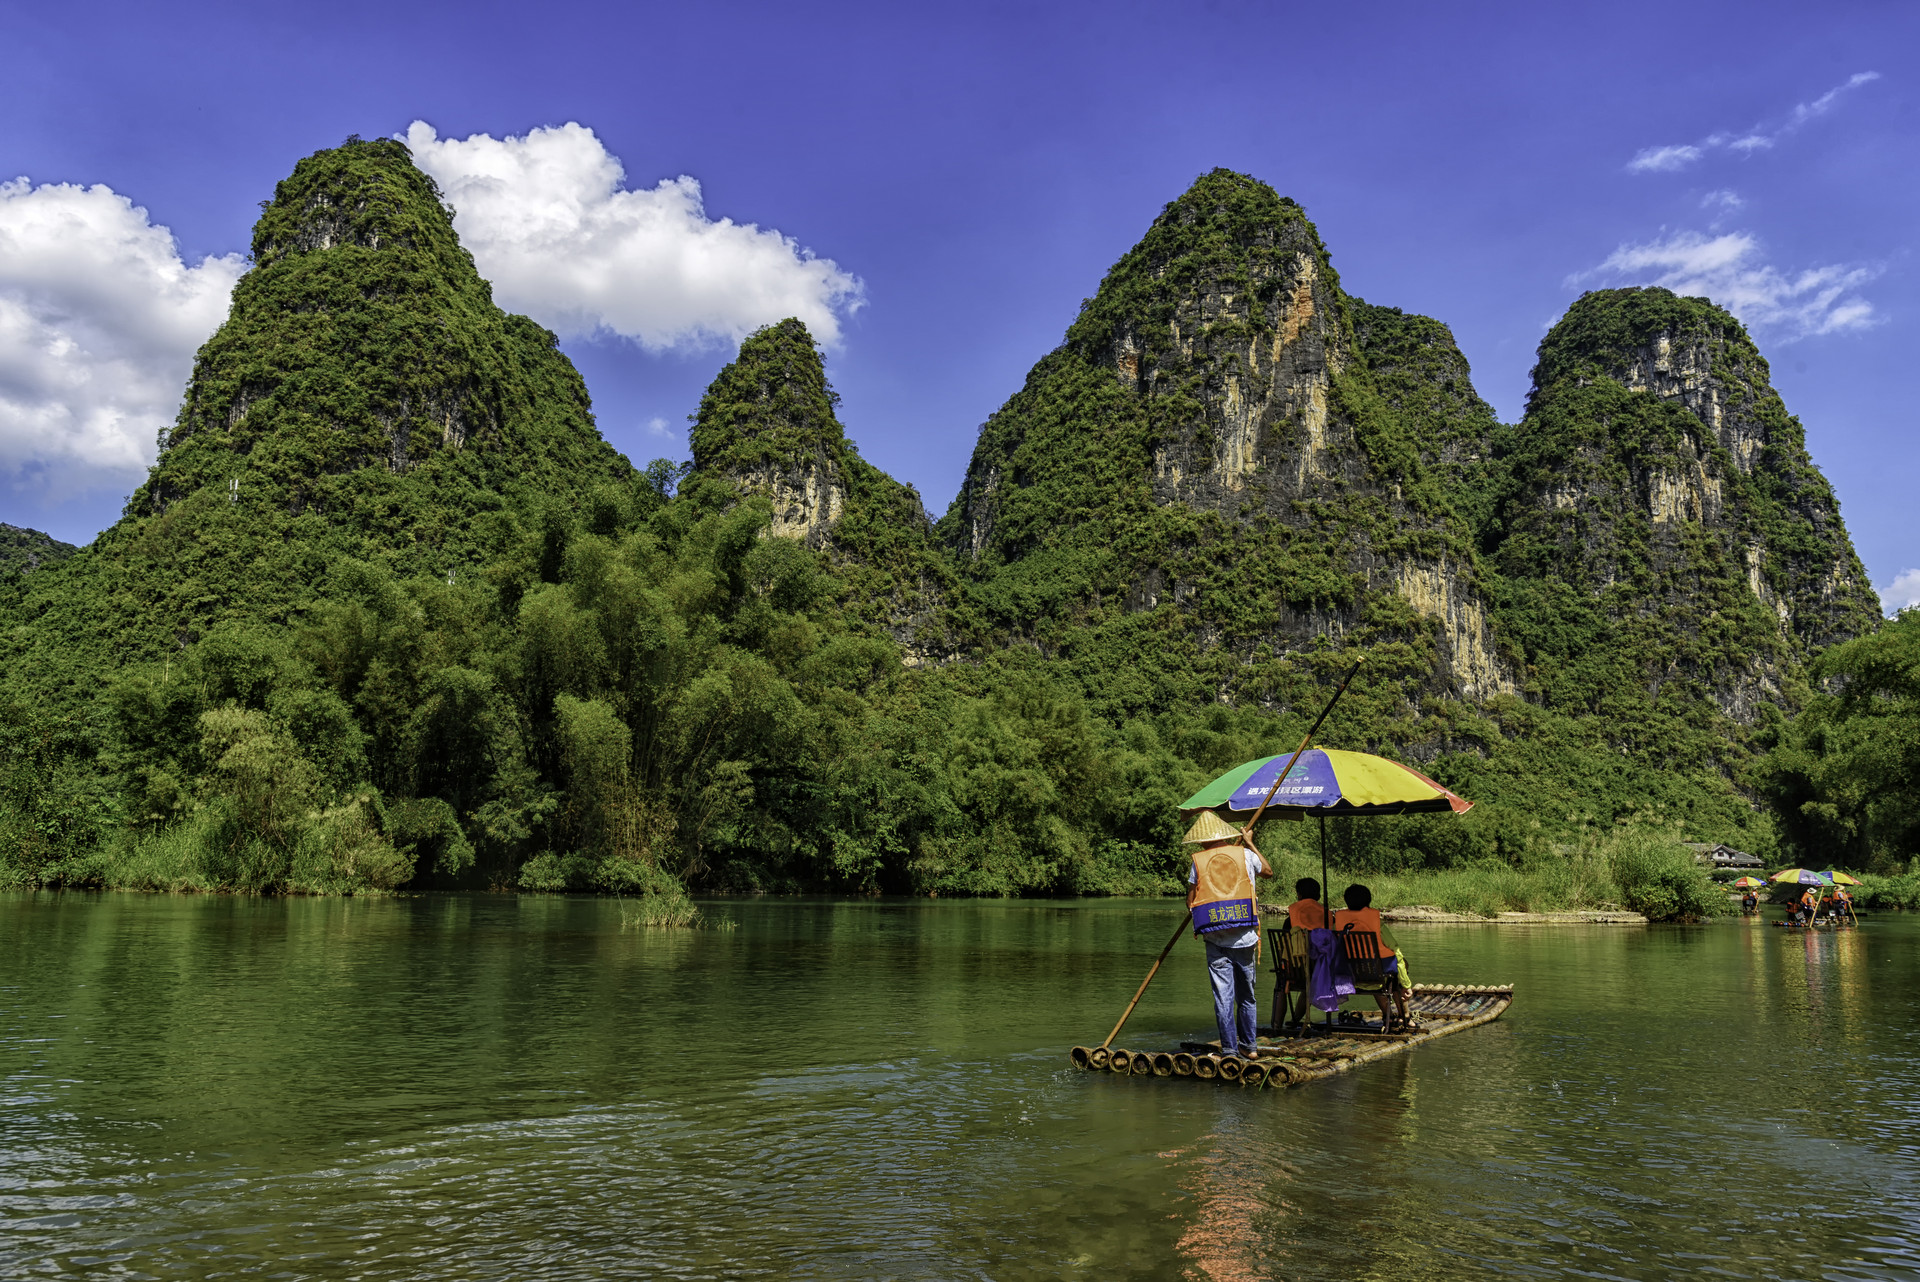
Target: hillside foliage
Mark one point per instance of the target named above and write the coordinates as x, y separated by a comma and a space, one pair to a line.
389, 613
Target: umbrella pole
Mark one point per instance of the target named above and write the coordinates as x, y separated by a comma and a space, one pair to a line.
1141, 991
1326, 892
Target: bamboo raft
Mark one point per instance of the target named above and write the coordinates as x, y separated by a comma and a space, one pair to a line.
1440, 1009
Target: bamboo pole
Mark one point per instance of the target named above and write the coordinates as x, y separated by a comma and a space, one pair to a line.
1247, 835
1179, 930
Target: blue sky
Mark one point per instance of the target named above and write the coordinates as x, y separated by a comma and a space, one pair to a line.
971, 171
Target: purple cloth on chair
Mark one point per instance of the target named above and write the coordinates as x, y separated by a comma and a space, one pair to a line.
1328, 982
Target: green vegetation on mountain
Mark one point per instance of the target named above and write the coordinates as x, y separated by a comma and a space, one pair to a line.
389, 612
24, 551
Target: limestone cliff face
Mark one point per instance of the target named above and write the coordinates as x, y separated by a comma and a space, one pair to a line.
767, 426
1211, 447
1658, 476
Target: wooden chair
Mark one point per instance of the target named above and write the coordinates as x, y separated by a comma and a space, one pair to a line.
1366, 963
1289, 968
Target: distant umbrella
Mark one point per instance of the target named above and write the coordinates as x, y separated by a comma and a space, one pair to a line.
1748, 883
1801, 877
1842, 879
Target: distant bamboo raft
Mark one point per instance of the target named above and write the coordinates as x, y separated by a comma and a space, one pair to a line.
1440, 1009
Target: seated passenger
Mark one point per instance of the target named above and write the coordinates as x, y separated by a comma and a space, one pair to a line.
1306, 912
1360, 915
1303, 914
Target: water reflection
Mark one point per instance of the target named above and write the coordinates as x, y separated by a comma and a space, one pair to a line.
463, 1086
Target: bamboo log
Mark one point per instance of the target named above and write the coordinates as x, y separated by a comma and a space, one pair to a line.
1162, 1064
1120, 1061
1230, 1066
1347, 1063
1206, 1067
1183, 1065
1142, 1064
1254, 1074
1081, 1056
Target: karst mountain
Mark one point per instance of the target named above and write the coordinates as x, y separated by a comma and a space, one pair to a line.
364, 399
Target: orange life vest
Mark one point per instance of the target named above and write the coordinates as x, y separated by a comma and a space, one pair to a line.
1221, 897
1363, 919
1306, 914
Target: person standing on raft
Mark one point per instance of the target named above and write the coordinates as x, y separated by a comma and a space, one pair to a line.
1225, 916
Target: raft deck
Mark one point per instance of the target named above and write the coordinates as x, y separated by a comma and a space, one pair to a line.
1440, 1009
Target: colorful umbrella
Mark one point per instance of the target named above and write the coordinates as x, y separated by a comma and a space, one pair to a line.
1748, 883
1842, 879
1801, 877
1327, 782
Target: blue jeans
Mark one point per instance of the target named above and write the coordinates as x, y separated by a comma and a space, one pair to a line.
1234, 1008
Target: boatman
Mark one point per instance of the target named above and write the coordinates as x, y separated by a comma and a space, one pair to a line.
1224, 915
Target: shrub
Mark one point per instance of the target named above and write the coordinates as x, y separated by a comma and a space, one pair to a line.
1658, 877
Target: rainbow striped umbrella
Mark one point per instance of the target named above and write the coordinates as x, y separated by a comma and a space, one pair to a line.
1329, 783
1841, 879
1748, 883
1801, 877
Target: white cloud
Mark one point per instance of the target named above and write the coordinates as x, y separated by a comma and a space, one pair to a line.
1674, 156
1731, 270
1664, 159
99, 322
1725, 200
1819, 106
1901, 594
550, 222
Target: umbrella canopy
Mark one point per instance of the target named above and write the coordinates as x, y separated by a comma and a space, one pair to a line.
1841, 879
1801, 877
1326, 781
1748, 883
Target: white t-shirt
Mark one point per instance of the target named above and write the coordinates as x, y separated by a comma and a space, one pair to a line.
1250, 936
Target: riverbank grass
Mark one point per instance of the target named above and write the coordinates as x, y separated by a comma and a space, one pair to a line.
1635, 870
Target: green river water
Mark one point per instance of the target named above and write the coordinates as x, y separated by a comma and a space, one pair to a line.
491, 1087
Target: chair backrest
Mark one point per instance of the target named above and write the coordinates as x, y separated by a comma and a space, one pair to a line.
1365, 963
1289, 950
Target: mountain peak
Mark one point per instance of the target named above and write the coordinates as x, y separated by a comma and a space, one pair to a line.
363, 194
767, 424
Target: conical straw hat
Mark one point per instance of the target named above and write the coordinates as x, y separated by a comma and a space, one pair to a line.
1210, 827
